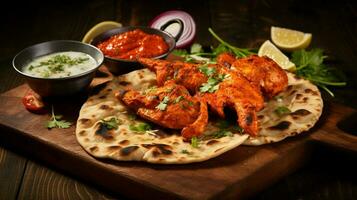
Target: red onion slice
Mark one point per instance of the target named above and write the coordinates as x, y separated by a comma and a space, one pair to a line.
172, 22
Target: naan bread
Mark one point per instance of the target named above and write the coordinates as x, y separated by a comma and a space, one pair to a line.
303, 99
155, 146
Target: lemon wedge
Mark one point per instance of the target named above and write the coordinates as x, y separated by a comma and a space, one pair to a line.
290, 40
98, 29
268, 49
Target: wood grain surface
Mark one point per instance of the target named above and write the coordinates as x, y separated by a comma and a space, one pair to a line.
333, 24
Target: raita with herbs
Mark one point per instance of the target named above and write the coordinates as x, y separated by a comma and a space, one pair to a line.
60, 64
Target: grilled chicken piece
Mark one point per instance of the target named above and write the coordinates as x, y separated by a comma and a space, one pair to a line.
234, 91
262, 72
186, 74
170, 106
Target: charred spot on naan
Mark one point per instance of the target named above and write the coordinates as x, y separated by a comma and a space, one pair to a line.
281, 126
104, 132
128, 150
106, 107
94, 149
159, 149
212, 142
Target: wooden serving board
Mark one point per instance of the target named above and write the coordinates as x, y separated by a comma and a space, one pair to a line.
238, 173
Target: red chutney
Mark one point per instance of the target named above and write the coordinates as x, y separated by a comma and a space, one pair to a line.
133, 44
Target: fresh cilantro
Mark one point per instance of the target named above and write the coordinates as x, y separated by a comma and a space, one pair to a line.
196, 48
178, 99
194, 142
140, 127
208, 71
239, 52
180, 52
190, 103
112, 123
211, 86
163, 104
222, 133
56, 122
310, 66
282, 110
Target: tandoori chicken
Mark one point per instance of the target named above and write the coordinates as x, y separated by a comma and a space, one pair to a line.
170, 106
262, 72
214, 84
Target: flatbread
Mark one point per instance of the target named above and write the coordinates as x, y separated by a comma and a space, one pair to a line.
155, 146
305, 103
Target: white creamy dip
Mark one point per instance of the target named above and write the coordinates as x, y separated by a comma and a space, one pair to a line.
60, 64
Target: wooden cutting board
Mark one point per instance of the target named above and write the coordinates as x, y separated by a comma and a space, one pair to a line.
238, 173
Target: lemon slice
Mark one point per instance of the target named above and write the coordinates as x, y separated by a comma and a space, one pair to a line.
98, 29
268, 49
290, 40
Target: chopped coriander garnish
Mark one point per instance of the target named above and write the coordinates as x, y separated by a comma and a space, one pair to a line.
282, 110
309, 64
211, 86
163, 104
112, 123
190, 103
140, 127
178, 99
222, 133
56, 122
196, 48
208, 71
194, 142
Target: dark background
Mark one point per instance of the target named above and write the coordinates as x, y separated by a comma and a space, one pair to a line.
331, 174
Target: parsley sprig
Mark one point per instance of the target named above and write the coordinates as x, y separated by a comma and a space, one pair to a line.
56, 122
214, 79
311, 67
140, 127
163, 104
110, 124
197, 53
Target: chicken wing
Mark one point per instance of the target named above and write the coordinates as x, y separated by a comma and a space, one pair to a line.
170, 106
262, 72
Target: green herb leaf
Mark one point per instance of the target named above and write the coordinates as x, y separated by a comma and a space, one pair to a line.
222, 133
178, 99
310, 66
163, 104
194, 142
208, 71
196, 48
55, 121
112, 123
140, 127
282, 110
179, 52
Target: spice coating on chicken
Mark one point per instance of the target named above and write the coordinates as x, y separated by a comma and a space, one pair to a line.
262, 72
230, 89
170, 106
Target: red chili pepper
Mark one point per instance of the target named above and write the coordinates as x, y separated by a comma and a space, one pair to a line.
33, 103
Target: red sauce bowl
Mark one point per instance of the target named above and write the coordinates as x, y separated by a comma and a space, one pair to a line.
121, 66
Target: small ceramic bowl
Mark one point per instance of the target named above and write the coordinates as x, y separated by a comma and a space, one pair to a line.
121, 66
57, 86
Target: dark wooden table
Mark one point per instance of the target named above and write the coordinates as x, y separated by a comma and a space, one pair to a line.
331, 174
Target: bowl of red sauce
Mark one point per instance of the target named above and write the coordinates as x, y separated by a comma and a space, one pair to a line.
123, 46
